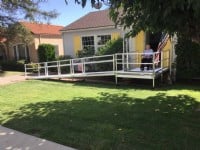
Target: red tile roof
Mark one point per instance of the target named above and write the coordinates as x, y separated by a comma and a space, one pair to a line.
37, 28
91, 20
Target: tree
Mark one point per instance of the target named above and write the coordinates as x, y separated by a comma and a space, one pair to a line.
26, 9
11, 11
171, 16
14, 10
17, 33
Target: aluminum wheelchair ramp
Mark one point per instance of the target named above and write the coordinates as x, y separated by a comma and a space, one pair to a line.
120, 65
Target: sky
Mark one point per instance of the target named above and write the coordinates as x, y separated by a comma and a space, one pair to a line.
67, 13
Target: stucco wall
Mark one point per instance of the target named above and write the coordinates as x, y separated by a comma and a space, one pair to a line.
46, 39
70, 39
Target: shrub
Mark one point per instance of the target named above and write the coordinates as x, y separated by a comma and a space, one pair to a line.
188, 59
111, 47
63, 57
89, 51
33, 67
46, 52
12, 65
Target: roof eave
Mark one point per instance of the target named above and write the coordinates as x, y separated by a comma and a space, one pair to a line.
46, 34
87, 29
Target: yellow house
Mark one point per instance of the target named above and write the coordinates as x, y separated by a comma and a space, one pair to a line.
96, 28
42, 34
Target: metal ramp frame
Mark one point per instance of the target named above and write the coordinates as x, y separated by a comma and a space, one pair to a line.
119, 65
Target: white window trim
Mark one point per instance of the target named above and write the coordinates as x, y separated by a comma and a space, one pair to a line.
96, 46
88, 36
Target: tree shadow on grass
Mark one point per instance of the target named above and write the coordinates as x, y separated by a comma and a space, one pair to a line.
127, 86
113, 121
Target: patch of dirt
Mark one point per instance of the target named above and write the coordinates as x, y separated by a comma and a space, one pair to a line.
11, 79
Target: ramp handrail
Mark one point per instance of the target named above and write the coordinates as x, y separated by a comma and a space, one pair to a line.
117, 62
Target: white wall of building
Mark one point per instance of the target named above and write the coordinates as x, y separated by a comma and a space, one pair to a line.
69, 43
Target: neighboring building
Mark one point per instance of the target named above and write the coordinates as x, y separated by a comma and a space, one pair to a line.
42, 34
96, 28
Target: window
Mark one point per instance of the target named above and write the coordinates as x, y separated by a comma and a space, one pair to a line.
88, 41
102, 39
21, 52
95, 42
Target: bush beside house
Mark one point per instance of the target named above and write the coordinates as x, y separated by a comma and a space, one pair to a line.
188, 59
12, 65
46, 52
111, 47
86, 52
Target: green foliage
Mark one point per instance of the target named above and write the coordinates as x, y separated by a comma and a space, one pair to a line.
28, 9
64, 57
89, 51
16, 33
33, 67
12, 65
188, 59
46, 52
111, 47
172, 16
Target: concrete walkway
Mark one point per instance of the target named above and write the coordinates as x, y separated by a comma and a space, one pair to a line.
11, 79
14, 140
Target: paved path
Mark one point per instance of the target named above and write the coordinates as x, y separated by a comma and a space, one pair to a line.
11, 79
14, 140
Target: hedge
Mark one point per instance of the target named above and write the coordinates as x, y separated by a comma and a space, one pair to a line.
188, 59
46, 52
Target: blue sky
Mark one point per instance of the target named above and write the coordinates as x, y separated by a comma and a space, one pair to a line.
67, 13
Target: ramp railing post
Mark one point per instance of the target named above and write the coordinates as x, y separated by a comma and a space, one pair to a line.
123, 60
58, 67
127, 63
114, 62
161, 60
72, 66
153, 70
46, 68
83, 65
38, 69
116, 67
162, 64
25, 73
170, 62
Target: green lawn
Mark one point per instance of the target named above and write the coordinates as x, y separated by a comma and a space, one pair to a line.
104, 117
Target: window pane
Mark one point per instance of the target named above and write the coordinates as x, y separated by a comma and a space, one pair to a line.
102, 39
21, 51
88, 41
15, 52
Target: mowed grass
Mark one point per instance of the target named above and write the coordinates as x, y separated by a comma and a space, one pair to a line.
104, 117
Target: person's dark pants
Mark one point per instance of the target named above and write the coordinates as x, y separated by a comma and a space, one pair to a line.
146, 60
